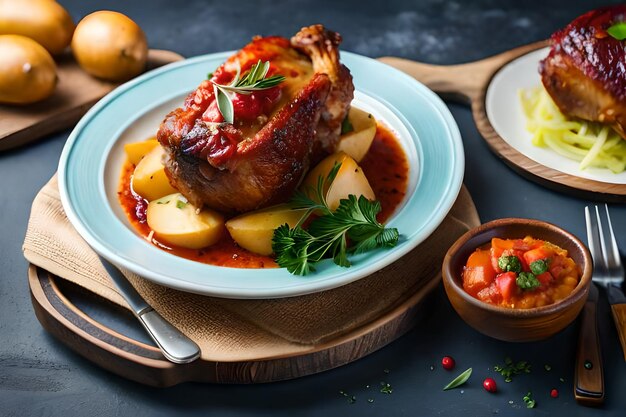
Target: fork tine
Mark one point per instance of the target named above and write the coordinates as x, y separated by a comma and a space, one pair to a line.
613, 258
603, 251
593, 239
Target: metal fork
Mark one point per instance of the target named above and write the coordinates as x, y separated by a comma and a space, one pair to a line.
609, 272
608, 268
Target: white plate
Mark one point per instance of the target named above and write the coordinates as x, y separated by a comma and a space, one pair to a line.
505, 113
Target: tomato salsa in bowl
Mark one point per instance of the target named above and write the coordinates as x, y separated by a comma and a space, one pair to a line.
517, 279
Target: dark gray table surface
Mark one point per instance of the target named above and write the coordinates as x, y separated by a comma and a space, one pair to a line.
40, 376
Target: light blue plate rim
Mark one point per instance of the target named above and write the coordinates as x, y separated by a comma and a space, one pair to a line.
82, 165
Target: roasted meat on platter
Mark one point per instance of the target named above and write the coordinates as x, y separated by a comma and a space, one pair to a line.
234, 150
585, 72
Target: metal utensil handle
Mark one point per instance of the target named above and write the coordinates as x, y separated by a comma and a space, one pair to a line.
174, 345
589, 385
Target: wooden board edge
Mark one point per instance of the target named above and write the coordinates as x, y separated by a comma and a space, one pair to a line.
50, 125
129, 358
546, 176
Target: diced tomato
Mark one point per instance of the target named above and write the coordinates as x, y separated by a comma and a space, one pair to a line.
538, 254
545, 278
556, 266
476, 278
506, 285
501, 243
496, 253
212, 113
479, 258
490, 294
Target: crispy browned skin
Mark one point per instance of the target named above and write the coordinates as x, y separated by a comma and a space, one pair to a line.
585, 72
266, 169
275, 151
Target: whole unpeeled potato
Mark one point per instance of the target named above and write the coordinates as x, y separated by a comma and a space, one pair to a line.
109, 45
45, 21
27, 71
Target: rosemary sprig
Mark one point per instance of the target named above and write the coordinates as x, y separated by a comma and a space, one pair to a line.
253, 80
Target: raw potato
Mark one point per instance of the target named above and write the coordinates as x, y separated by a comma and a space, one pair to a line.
137, 150
109, 45
254, 230
350, 179
149, 178
27, 71
176, 222
45, 21
358, 142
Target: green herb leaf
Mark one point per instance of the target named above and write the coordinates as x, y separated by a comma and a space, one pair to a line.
510, 369
346, 126
539, 266
180, 204
209, 76
530, 403
527, 281
224, 104
509, 264
618, 31
327, 236
386, 388
459, 380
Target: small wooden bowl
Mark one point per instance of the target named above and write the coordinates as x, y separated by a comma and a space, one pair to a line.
515, 325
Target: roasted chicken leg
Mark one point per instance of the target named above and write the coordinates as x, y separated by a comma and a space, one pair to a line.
585, 71
260, 158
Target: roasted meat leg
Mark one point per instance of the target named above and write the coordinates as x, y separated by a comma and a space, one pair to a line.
585, 71
261, 157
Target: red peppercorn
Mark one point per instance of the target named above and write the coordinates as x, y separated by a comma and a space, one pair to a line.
554, 393
489, 384
448, 363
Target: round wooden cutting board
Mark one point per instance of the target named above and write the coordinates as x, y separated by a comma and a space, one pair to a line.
144, 363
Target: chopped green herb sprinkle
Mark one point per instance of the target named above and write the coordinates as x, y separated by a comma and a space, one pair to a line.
510, 369
530, 403
180, 204
386, 388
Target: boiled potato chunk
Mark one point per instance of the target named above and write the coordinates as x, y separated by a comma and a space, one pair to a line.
177, 222
137, 150
350, 179
254, 230
149, 179
357, 143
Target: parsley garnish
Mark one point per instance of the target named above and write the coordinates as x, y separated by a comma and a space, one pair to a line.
180, 204
509, 263
327, 236
539, 266
510, 369
253, 80
527, 281
618, 31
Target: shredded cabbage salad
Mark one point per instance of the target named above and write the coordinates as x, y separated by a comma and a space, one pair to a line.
593, 144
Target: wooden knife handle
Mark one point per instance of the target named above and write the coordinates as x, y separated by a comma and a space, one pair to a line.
619, 315
589, 377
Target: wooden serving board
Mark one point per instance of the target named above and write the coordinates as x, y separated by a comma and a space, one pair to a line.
76, 92
467, 84
145, 364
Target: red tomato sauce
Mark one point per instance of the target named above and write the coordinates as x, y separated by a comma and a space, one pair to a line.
385, 167
520, 273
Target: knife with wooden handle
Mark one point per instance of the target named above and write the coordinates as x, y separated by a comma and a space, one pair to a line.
589, 375
617, 299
